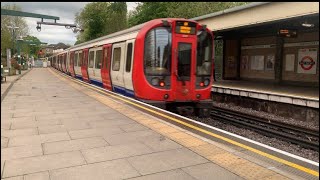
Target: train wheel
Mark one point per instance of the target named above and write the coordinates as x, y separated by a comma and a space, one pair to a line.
203, 112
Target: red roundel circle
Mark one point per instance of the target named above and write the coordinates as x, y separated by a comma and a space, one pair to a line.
306, 63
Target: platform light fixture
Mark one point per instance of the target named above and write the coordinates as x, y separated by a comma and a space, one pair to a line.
306, 24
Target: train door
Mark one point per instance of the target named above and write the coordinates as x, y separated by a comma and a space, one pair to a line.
94, 67
77, 64
84, 67
127, 73
71, 64
117, 67
59, 60
66, 55
64, 58
105, 69
184, 67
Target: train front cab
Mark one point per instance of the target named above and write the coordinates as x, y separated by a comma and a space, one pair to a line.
177, 65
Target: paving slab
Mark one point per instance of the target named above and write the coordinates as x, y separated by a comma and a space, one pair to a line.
166, 160
115, 152
73, 145
117, 169
4, 142
38, 139
138, 136
37, 176
161, 144
85, 133
177, 174
19, 132
209, 171
42, 163
21, 152
133, 127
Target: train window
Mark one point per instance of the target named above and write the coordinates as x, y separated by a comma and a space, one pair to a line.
116, 59
184, 60
105, 58
75, 56
80, 58
129, 57
157, 51
91, 59
204, 53
98, 59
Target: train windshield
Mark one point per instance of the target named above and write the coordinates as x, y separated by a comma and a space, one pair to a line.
157, 51
204, 54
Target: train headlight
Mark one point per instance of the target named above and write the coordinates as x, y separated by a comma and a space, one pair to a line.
206, 82
155, 81
198, 96
166, 96
161, 83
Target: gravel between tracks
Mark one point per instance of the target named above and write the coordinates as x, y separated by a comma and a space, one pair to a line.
273, 142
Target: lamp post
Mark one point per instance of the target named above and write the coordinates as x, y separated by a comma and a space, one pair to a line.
13, 36
19, 54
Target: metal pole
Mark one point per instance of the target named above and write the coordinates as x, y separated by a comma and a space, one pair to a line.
13, 41
19, 58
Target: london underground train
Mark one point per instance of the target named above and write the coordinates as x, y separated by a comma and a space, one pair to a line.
165, 62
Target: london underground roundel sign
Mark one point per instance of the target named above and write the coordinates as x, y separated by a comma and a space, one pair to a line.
307, 63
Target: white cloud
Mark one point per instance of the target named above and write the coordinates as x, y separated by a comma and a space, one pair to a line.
64, 10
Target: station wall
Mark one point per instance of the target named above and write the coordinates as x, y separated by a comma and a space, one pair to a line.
294, 46
257, 58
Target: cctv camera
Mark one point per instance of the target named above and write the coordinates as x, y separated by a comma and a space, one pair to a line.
38, 28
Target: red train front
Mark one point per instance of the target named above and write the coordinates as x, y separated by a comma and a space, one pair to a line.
164, 62
173, 65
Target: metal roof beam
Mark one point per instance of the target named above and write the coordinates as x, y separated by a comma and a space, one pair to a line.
26, 14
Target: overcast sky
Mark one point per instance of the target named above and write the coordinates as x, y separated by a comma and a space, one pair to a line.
65, 10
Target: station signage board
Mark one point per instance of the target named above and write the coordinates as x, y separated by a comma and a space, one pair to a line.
289, 33
307, 61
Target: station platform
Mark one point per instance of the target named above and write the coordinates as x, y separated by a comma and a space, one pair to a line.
53, 128
9, 81
296, 95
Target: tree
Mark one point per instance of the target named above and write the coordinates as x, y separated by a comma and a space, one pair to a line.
101, 18
147, 11
7, 40
152, 10
31, 45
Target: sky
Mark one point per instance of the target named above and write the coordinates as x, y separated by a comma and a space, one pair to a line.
65, 10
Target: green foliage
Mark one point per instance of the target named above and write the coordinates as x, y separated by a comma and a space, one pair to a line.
147, 11
152, 10
31, 45
7, 33
101, 18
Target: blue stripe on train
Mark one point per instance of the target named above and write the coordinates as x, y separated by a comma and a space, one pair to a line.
78, 77
117, 89
123, 91
96, 82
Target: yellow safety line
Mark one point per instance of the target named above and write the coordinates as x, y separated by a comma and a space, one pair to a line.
307, 170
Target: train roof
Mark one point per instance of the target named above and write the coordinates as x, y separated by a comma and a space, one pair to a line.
125, 31
132, 29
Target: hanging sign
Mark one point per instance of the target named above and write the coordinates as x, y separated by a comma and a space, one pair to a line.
307, 61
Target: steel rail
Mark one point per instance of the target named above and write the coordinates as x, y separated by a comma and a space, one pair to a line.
269, 128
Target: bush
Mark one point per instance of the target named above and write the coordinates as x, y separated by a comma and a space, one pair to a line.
15, 64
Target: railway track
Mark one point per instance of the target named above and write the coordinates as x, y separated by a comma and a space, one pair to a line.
304, 137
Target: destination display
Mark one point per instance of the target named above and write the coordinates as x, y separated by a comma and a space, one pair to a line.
183, 27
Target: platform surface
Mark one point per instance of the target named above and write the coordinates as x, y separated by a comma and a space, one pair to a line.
52, 128
299, 95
